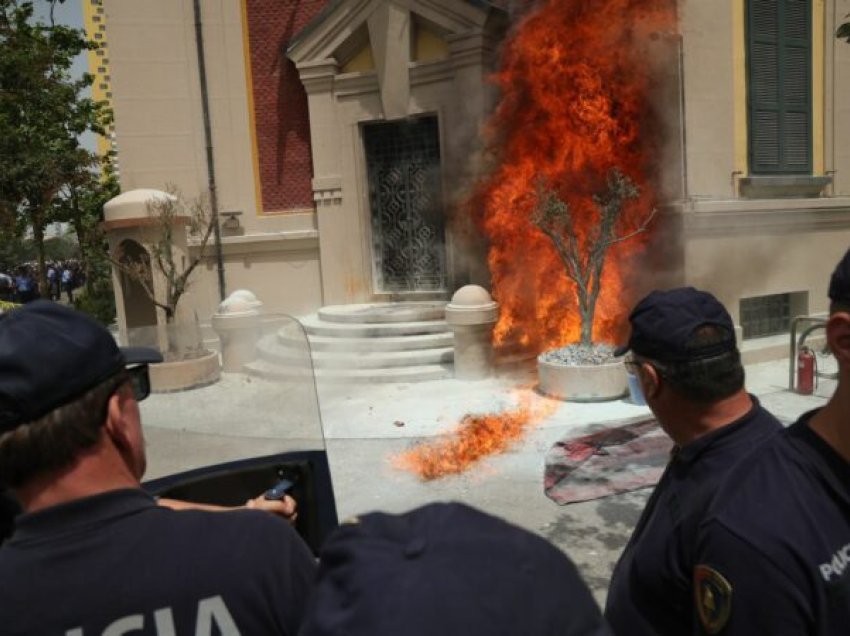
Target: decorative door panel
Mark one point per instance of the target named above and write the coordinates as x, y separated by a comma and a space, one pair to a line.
405, 196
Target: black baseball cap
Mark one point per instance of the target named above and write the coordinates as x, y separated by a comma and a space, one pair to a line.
839, 282
446, 569
664, 321
51, 355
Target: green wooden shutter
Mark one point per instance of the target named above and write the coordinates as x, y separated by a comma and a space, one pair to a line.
779, 86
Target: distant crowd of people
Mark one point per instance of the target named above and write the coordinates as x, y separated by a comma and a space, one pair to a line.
20, 284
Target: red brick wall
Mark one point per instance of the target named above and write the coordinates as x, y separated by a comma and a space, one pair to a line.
280, 102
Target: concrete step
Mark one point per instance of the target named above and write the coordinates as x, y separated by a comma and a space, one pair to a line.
402, 342
386, 343
422, 373
272, 350
381, 313
317, 327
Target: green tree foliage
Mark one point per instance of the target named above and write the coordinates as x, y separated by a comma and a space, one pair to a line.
80, 204
43, 111
15, 249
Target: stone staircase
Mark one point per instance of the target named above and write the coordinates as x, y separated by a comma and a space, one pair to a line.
393, 342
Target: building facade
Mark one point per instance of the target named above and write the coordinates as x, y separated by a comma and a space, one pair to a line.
765, 208
94, 23
345, 135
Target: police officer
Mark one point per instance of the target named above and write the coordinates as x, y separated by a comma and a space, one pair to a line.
773, 556
447, 569
93, 553
684, 354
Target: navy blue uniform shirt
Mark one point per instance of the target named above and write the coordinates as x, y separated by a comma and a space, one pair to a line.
9, 509
774, 552
650, 591
116, 563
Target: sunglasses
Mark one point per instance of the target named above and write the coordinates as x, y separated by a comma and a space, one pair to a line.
139, 381
633, 365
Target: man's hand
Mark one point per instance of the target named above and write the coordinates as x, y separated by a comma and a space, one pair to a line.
286, 507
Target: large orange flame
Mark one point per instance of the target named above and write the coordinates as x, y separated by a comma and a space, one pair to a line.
576, 86
476, 437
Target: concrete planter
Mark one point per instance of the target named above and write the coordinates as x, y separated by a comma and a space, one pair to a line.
181, 375
582, 383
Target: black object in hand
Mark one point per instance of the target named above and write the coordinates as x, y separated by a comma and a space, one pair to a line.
279, 490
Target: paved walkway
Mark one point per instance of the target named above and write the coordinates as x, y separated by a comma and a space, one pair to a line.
365, 426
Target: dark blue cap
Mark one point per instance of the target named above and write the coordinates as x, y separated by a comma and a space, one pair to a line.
664, 321
839, 283
51, 355
446, 569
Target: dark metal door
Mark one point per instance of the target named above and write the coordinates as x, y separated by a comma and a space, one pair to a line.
405, 196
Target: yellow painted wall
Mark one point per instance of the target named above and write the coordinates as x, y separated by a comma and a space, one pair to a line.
249, 93
362, 61
739, 78
94, 23
427, 45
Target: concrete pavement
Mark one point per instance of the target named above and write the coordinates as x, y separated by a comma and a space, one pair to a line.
365, 426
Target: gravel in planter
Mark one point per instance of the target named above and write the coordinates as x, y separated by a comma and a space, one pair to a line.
579, 355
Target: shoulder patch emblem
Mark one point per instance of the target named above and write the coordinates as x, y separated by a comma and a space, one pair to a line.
713, 597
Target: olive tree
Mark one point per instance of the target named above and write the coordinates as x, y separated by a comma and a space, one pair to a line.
165, 262
584, 260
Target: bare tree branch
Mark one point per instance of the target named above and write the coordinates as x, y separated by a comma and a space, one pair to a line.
584, 263
642, 228
160, 257
137, 271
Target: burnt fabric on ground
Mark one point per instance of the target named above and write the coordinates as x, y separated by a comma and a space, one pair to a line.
611, 461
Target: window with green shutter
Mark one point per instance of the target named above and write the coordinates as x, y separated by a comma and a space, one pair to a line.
779, 76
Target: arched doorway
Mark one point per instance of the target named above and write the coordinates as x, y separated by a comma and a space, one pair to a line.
138, 307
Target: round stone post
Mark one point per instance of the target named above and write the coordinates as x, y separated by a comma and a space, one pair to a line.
471, 315
237, 323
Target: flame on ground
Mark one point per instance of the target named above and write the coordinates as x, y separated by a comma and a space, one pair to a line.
576, 81
477, 436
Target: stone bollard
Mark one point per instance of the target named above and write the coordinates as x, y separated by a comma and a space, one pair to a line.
237, 323
471, 315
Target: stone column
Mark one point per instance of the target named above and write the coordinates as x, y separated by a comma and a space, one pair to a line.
237, 323
389, 35
471, 315
341, 236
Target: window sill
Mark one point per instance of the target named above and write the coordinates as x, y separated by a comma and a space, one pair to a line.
783, 187
738, 216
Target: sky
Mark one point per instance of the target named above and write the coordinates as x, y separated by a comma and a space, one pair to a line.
69, 13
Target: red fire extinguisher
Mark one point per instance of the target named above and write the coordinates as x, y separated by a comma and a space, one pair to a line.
806, 371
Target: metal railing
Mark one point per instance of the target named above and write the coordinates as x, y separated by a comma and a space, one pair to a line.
816, 323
